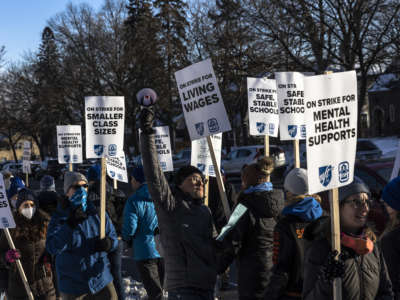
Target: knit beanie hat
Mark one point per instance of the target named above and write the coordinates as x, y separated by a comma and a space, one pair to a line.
94, 173
25, 194
356, 187
258, 172
391, 194
138, 174
16, 184
185, 172
296, 181
47, 183
70, 178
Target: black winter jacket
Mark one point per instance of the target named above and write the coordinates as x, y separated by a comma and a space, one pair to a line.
34, 258
186, 228
252, 239
366, 276
390, 244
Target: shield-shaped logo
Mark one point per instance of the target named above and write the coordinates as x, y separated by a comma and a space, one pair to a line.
213, 125
112, 173
303, 131
112, 150
325, 175
271, 128
199, 128
67, 158
292, 129
344, 171
98, 149
260, 127
201, 167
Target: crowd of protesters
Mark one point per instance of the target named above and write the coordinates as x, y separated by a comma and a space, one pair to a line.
280, 240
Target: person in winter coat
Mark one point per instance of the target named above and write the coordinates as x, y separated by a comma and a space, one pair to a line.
390, 241
360, 265
185, 223
48, 197
301, 209
73, 237
139, 227
29, 238
252, 234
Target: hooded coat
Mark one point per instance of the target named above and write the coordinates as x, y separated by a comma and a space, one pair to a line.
30, 239
289, 248
390, 244
366, 276
252, 240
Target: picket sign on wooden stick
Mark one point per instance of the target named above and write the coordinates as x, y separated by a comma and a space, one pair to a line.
70, 167
206, 189
218, 176
19, 265
27, 179
266, 151
115, 184
103, 198
296, 152
335, 232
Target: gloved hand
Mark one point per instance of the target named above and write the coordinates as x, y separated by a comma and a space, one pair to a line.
12, 255
333, 268
104, 244
147, 119
76, 217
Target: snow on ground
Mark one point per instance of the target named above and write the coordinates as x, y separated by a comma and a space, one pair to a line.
388, 145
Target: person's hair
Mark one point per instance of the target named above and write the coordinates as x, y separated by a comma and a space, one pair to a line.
392, 224
292, 198
258, 172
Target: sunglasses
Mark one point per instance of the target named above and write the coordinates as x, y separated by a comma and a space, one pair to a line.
78, 186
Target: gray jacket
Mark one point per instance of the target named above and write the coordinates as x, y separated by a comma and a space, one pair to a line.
186, 228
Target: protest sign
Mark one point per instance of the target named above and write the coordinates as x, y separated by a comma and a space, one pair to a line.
290, 93
163, 147
26, 158
201, 100
201, 157
104, 117
263, 106
116, 168
331, 121
69, 144
6, 217
396, 166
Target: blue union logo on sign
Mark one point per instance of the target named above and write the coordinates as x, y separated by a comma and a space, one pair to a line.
344, 171
325, 175
67, 158
98, 149
260, 127
292, 129
199, 128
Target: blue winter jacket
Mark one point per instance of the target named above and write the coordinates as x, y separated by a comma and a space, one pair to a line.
80, 269
140, 222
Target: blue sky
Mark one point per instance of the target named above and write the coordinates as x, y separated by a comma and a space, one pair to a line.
22, 22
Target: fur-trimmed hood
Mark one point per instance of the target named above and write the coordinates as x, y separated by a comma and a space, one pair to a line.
32, 230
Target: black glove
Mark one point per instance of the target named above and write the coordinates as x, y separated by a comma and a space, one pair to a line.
147, 119
101, 245
76, 217
333, 268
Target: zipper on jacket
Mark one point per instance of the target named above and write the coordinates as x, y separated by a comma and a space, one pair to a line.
359, 262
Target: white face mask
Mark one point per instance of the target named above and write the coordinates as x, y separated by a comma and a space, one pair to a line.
28, 212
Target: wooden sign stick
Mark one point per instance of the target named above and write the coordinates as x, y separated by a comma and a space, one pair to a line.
103, 198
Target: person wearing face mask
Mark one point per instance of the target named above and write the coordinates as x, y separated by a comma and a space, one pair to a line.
139, 227
83, 268
185, 223
29, 238
360, 265
15, 185
390, 240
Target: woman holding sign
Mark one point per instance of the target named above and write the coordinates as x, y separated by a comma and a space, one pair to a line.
360, 265
29, 238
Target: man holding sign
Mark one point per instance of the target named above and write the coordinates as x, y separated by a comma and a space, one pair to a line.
186, 227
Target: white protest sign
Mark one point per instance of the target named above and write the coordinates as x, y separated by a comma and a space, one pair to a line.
263, 106
331, 116
396, 166
116, 168
201, 100
26, 158
6, 218
201, 157
163, 147
104, 117
69, 144
290, 91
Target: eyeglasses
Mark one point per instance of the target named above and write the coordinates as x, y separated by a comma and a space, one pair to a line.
359, 203
78, 186
198, 180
